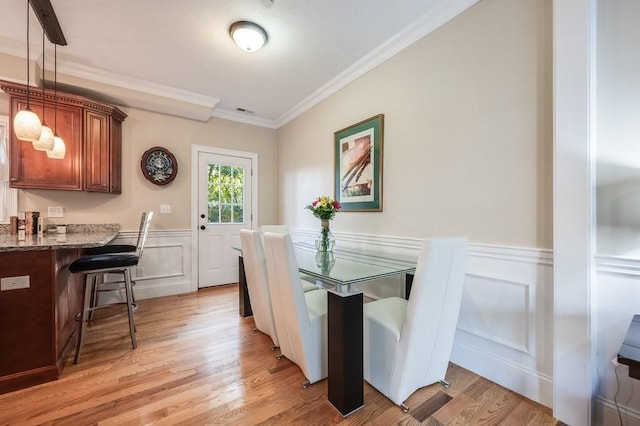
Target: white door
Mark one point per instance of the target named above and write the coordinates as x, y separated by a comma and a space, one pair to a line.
224, 207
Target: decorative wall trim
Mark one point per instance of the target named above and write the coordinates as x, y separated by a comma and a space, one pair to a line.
618, 265
607, 413
526, 330
165, 263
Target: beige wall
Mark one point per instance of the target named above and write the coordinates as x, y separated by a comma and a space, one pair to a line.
467, 140
143, 130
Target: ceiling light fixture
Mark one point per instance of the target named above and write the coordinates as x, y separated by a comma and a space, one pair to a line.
26, 123
249, 36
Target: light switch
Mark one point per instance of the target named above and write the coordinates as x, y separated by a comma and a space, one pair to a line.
55, 212
165, 208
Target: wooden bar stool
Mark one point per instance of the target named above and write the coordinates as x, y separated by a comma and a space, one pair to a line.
96, 265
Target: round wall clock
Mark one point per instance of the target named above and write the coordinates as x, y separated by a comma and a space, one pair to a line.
159, 166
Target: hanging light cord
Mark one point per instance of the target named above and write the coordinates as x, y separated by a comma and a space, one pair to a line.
55, 89
43, 70
27, 55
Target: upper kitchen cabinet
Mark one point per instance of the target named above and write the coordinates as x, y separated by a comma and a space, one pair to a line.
92, 132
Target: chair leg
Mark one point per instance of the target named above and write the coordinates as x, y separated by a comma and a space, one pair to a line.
94, 297
132, 321
84, 314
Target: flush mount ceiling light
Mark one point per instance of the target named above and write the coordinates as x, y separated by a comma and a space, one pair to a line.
249, 36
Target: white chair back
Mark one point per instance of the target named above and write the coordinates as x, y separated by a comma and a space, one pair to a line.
302, 339
280, 229
427, 334
257, 285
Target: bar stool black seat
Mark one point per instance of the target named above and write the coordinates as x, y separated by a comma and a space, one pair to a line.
96, 265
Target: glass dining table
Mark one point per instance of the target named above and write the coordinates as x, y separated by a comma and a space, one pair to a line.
344, 273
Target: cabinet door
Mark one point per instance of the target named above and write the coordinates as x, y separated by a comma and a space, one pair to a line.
97, 155
33, 169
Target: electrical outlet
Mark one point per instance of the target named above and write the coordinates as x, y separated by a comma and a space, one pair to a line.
614, 361
165, 208
139, 271
14, 283
55, 212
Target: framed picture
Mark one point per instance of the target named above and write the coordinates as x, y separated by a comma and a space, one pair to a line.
358, 165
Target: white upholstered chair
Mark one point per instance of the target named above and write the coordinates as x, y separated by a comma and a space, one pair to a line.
256, 273
300, 317
407, 344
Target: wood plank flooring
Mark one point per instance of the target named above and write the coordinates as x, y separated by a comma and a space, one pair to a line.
198, 362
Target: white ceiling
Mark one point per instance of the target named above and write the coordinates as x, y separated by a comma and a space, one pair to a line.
182, 49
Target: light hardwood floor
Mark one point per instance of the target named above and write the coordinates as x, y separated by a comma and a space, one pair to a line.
198, 362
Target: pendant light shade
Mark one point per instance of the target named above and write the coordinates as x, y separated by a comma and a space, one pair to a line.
248, 36
45, 143
27, 126
26, 123
59, 149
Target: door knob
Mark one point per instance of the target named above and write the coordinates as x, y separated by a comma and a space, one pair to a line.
203, 227
202, 215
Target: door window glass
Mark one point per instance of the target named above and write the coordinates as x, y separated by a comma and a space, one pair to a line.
225, 202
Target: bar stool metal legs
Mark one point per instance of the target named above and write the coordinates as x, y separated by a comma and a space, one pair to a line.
89, 306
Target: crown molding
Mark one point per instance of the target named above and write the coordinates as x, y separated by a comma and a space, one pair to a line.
130, 83
226, 114
439, 15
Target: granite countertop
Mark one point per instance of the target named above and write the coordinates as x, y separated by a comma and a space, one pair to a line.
77, 236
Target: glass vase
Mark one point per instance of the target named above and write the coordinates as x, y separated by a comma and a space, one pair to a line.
325, 261
325, 240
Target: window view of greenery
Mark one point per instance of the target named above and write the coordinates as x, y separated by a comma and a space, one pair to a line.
226, 194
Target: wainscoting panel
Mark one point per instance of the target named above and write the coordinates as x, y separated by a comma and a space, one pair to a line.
505, 329
165, 267
498, 310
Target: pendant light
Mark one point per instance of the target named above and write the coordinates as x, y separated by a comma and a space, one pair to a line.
26, 123
45, 143
59, 148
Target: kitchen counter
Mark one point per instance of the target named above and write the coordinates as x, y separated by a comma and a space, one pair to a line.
37, 316
77, 238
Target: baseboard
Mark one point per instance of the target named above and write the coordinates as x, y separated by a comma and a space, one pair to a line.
531, 384
606, 413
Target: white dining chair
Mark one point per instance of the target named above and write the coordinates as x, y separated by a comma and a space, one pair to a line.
300, 317
407, 344
256, 273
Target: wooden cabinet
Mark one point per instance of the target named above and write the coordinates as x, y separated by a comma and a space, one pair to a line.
92, 132
103, 152
38, 323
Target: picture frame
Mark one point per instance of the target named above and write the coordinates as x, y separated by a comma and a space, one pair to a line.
358, 165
